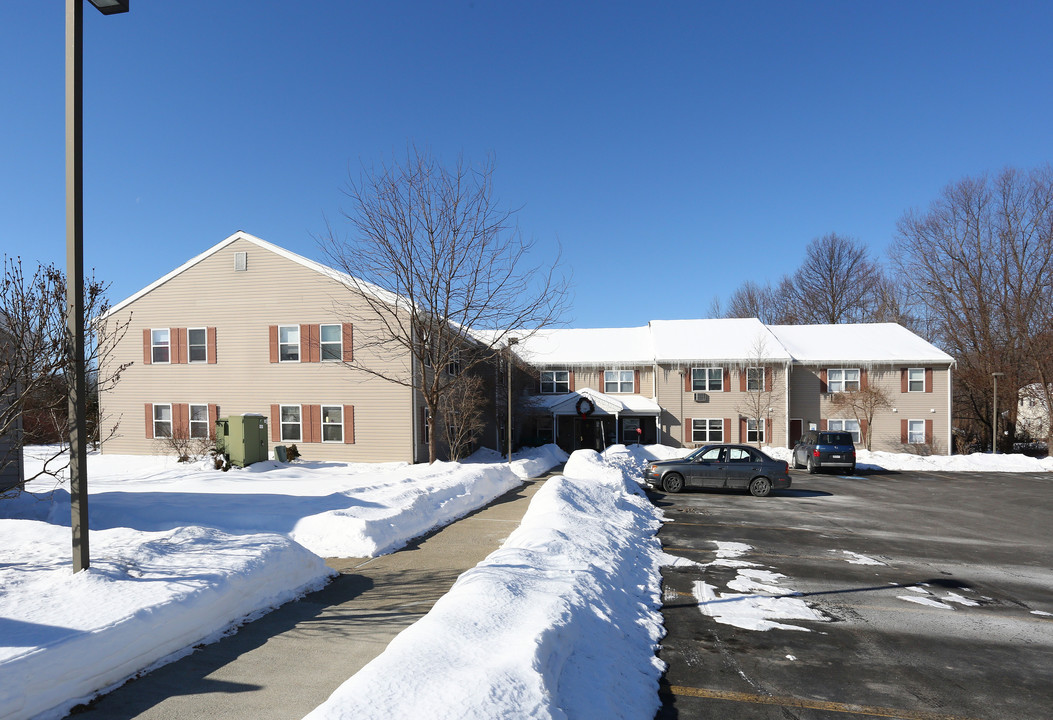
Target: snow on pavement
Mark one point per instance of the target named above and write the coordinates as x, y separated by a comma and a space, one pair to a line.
562, 621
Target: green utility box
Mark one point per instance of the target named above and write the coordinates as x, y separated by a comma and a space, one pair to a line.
242, 438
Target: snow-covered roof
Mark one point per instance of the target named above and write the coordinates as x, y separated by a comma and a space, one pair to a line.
591, 346
277, 250
604, 404
865, 343
721, 339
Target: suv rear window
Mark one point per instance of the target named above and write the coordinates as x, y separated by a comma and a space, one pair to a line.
835, 439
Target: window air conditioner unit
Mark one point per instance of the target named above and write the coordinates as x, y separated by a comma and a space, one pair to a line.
701, 397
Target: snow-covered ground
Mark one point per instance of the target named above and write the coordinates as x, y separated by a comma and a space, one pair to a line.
976, 462
566, 610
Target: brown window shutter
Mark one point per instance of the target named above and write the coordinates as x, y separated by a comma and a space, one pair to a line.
316, 345
273, 329
769, 379
727, 380
348, 336
903, 430
636, 382
177, 341
863, 380
149, 420
308, 344
742, 379
571, 378
928, 380
603, 381
928, 432
276, 419
210, 351
147, 350
349, 424
181, 420
903, 387
822, 425
213, 418
688, 434
687, 380
822, 381
314, 412
743, 430
727, 429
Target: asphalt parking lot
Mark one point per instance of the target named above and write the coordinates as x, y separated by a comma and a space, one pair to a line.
925, 596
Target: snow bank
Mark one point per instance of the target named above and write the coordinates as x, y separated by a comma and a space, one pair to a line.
562, 621
975, 462
147, 599
528, 462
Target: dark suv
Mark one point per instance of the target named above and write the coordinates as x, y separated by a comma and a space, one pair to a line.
824, 449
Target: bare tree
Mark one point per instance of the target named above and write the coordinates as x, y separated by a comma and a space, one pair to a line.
835, 283
863, 404
982, 255
430, 259
760, 392
461, 411
769, 304
35, 369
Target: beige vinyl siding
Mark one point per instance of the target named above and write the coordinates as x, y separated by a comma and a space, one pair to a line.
242, 305
679, 405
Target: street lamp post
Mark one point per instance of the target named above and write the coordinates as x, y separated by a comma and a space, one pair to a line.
508, 429
994, 413
78, 440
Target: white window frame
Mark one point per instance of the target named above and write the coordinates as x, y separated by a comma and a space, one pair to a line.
546, 428
198, 423
911, 380
618, 379
842, 382
846, 425
338, 343
913, 435
453, 367
329, 424
755, 433
289, 344
755, 379
190, 346
554, 383
156, 345
712, 431
707, 379
282, 422
161, 421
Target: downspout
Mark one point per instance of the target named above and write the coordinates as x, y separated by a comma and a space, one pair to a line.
950, 413
786, 394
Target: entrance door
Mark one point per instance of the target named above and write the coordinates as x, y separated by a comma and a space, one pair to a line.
796, 430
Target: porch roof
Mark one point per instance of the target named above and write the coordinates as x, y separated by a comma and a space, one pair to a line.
603, 404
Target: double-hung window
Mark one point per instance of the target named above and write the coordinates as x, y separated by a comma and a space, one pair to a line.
707, 430
545, 429
754, 379
842, 380
618, 381
916, 432
291, 422
197, 345
555, 381
199, 421
754, 430
332, 342
162, 421
916, 380
707, 379
453, 366
289, 343
333, 423
160, 346
848, 426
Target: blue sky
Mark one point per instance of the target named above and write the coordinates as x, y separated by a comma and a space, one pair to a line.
674, 150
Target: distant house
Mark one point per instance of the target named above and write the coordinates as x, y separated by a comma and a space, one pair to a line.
249, 327
1032, 415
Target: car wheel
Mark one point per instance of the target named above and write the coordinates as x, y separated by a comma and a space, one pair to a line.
760, 487
673, 483
812, 469
793, 462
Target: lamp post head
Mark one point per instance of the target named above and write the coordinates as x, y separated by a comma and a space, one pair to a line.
110, 7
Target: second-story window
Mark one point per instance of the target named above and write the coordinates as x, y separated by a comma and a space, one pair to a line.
197, 344
161, 346
916, 380
332, 342
289, 343
754, 379
555, 381
618, 381
840, 380
707, 379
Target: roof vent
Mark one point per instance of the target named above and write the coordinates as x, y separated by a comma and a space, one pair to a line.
241, 261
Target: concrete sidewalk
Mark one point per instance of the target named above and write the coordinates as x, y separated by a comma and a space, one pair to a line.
288, 662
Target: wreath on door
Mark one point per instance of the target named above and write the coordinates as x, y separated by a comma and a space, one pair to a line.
581, 407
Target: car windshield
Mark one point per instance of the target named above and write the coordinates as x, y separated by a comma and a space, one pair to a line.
697, 454
835, 439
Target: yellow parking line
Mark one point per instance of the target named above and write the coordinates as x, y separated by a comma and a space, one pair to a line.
808, 704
